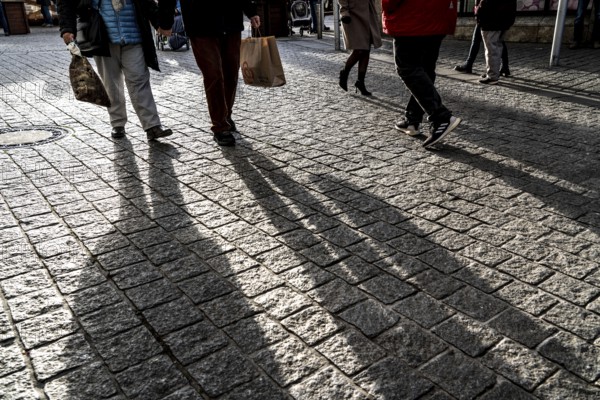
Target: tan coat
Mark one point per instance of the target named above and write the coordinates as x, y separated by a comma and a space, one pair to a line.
364, 29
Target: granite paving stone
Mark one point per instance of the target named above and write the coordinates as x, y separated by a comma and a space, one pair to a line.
128, 348
306, 277
205, 287
391, 378
312, 324
563, 385
325, 255
173, 315
62, 355
578, 356
257, 389
327, 384
387, 289
12, 358
370, 317
153, 379
109, 320
288, 361
526, 298
229, 308
46, 328
256, 332
410, 343
195, 342
519, 364
336, 295
475, 303
153, 293
461, 376
469, 335
18, 386
574, 319
283, 301
522, 327
222, 371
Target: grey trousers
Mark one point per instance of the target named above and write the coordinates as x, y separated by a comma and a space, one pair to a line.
492, 40
128, 62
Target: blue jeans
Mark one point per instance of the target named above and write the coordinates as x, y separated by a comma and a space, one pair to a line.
580, 19
313, 13
416, 58
47, 15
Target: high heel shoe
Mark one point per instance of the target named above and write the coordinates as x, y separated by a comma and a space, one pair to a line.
360, 86
344, 79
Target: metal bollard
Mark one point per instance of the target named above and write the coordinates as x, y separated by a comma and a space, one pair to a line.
319, 14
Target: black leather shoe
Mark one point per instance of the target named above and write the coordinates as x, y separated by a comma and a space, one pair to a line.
464, 68
157, 132
505, 72
117, 132
360, 86
224, 138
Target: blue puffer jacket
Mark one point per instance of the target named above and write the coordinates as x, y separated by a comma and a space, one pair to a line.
121, 26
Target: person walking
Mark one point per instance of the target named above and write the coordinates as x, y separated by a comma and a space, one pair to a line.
418, 28
127, 56
360, 22
46, 14
495, 17
467, 66
216, 47
3, 21
578, 24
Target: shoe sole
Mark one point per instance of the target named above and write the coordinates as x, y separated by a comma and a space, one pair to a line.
489, 83
449, 129
409, 132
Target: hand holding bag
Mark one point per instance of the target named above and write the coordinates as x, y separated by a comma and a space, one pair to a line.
260, 62
87, 85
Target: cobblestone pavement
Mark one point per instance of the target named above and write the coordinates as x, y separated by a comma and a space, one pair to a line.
326, 256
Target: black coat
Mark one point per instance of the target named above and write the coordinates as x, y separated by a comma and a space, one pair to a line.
215, 17
70, 12
496, 15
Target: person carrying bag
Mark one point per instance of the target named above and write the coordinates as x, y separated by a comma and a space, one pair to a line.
260, 61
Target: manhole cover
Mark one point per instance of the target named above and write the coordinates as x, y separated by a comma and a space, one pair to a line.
28, 136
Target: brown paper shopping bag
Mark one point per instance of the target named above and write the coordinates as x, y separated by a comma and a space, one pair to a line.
260, 62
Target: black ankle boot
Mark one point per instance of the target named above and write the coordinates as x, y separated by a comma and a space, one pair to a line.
344, 79
360, 86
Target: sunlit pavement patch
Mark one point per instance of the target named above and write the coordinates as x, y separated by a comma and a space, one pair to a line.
29, 136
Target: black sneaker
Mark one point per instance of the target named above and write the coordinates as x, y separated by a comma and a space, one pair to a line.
117, 132
505, 71
440, 130
407, 127
224, 138
157, 132
464, 68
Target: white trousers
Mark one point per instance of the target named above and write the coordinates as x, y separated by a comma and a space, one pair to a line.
492, 40
128, 62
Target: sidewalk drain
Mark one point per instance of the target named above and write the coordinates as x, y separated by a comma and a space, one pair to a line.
28, 136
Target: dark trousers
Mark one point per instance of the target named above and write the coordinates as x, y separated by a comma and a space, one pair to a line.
218, 58
416, 58
580, 19
476, 44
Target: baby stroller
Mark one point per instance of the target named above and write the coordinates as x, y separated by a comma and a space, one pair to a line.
178, 38
300, 16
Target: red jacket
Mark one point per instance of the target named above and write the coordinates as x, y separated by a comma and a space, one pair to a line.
419, 17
